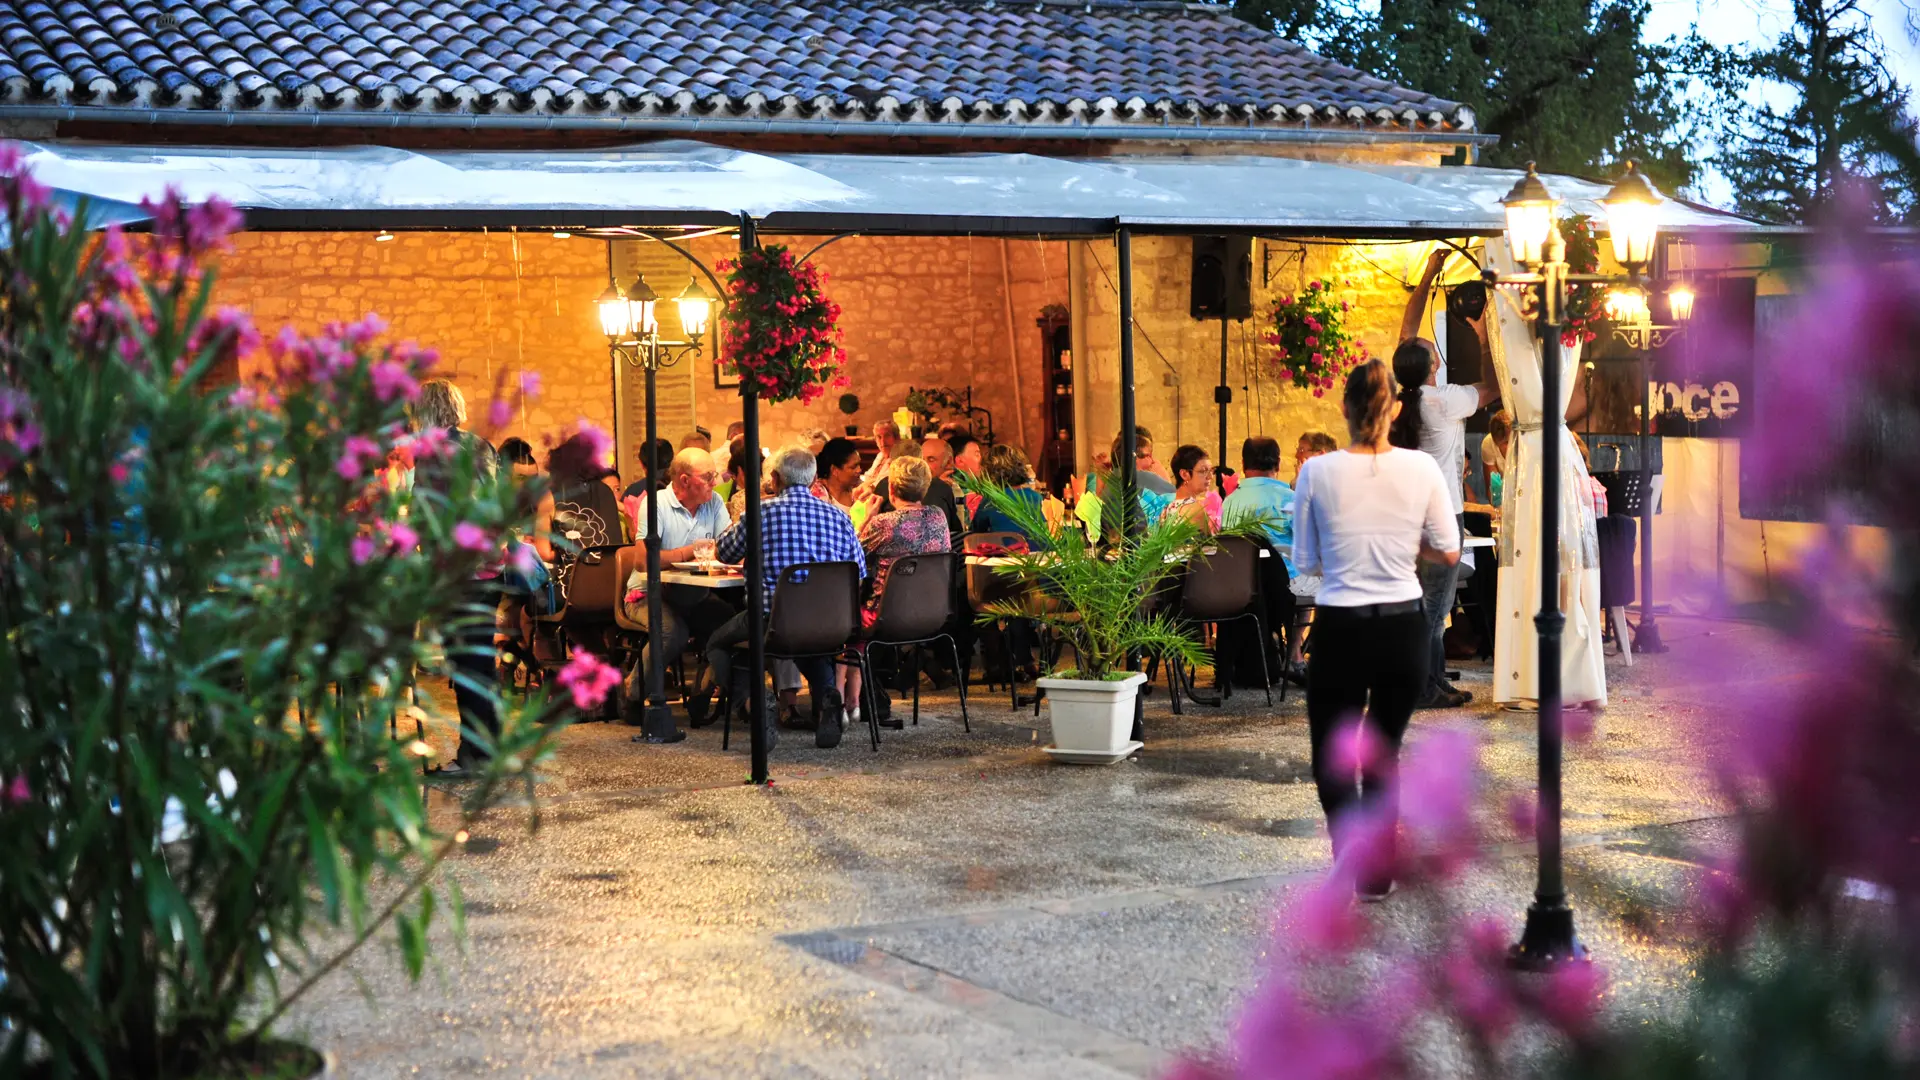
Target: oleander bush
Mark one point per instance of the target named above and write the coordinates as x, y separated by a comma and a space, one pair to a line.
210, 600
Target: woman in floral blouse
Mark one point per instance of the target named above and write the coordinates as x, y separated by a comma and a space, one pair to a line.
910, 528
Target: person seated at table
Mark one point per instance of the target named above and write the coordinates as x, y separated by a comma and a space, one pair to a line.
1267, 500
651, 475
736, 458
1193, 473
886, 437
1006, 467
837, 468
690, 512
586, 511
1312, 444
1493, 455
938, 454
910, 528
815, 440
795, 528
697, 439
723, 457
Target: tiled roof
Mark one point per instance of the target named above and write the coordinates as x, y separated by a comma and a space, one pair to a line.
894, 61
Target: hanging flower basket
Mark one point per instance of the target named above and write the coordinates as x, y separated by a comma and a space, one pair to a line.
1585, 303
1309, 338
782, 332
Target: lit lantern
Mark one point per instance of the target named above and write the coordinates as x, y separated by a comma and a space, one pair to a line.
640, 303
1530, 209
1632, 220
1628, 307
616, 321
1680, 302
696, 308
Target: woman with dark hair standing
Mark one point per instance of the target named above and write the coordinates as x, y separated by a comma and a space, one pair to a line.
1362, 518
1432, 418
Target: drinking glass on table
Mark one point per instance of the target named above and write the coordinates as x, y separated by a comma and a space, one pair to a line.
703, 551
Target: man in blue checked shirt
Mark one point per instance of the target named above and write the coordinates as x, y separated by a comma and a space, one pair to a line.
795, 527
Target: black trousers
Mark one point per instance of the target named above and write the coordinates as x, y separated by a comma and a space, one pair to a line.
1373, 667
470, 652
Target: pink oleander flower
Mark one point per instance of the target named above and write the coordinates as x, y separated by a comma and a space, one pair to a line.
17, 792
524, 559
401, 537
1355, 746
358, 453
471, 537
588, 679
1571, 996
500, 413
1436, 797
363, 549
394, 379
530, 383
1322, 918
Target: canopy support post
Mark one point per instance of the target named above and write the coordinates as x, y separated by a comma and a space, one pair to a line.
756, 570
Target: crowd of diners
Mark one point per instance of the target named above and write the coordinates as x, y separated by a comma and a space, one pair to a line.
1370, 532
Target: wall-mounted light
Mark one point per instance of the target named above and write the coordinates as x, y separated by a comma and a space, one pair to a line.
562, 235
382, 237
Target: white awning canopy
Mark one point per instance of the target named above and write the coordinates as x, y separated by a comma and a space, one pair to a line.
693, 184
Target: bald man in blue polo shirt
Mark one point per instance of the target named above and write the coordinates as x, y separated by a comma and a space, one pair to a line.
690, 510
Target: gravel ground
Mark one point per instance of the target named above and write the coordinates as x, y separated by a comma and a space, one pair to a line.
957, 905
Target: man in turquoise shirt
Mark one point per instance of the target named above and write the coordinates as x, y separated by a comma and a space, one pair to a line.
1263, 496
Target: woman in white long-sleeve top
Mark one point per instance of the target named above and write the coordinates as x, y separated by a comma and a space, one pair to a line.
1362, 518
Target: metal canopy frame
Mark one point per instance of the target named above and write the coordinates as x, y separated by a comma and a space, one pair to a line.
720, 191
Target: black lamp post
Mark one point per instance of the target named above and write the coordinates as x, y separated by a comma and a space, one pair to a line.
633, 334
1534, 236
1633, 324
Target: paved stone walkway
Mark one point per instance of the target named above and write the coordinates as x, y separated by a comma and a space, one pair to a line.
959, 906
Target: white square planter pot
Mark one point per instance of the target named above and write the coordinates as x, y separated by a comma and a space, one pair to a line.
1090, 716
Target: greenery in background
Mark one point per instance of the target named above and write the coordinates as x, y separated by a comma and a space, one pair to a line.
210, 601
1846, 117
1566, 83
1094, 592
1572, 85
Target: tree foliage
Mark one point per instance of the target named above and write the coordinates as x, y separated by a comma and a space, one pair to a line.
1570, 84
1844, 121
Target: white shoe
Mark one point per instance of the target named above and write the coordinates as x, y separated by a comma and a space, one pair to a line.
853, 714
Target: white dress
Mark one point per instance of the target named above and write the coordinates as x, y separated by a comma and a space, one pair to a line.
1516, 653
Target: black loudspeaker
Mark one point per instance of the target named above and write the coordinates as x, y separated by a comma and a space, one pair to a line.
1222, 277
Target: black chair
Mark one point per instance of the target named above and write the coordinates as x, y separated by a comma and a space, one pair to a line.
591, 617
1222, 585
914, 610
815, 616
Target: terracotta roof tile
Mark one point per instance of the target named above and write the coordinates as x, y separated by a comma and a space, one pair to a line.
635, 56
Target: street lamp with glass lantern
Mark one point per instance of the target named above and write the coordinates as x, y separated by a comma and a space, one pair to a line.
629, 318
1534, 236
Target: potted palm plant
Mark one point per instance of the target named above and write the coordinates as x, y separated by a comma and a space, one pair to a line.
1094, 588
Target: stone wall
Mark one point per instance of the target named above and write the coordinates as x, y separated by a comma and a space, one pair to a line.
491, 304
1177, 358
947, 311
